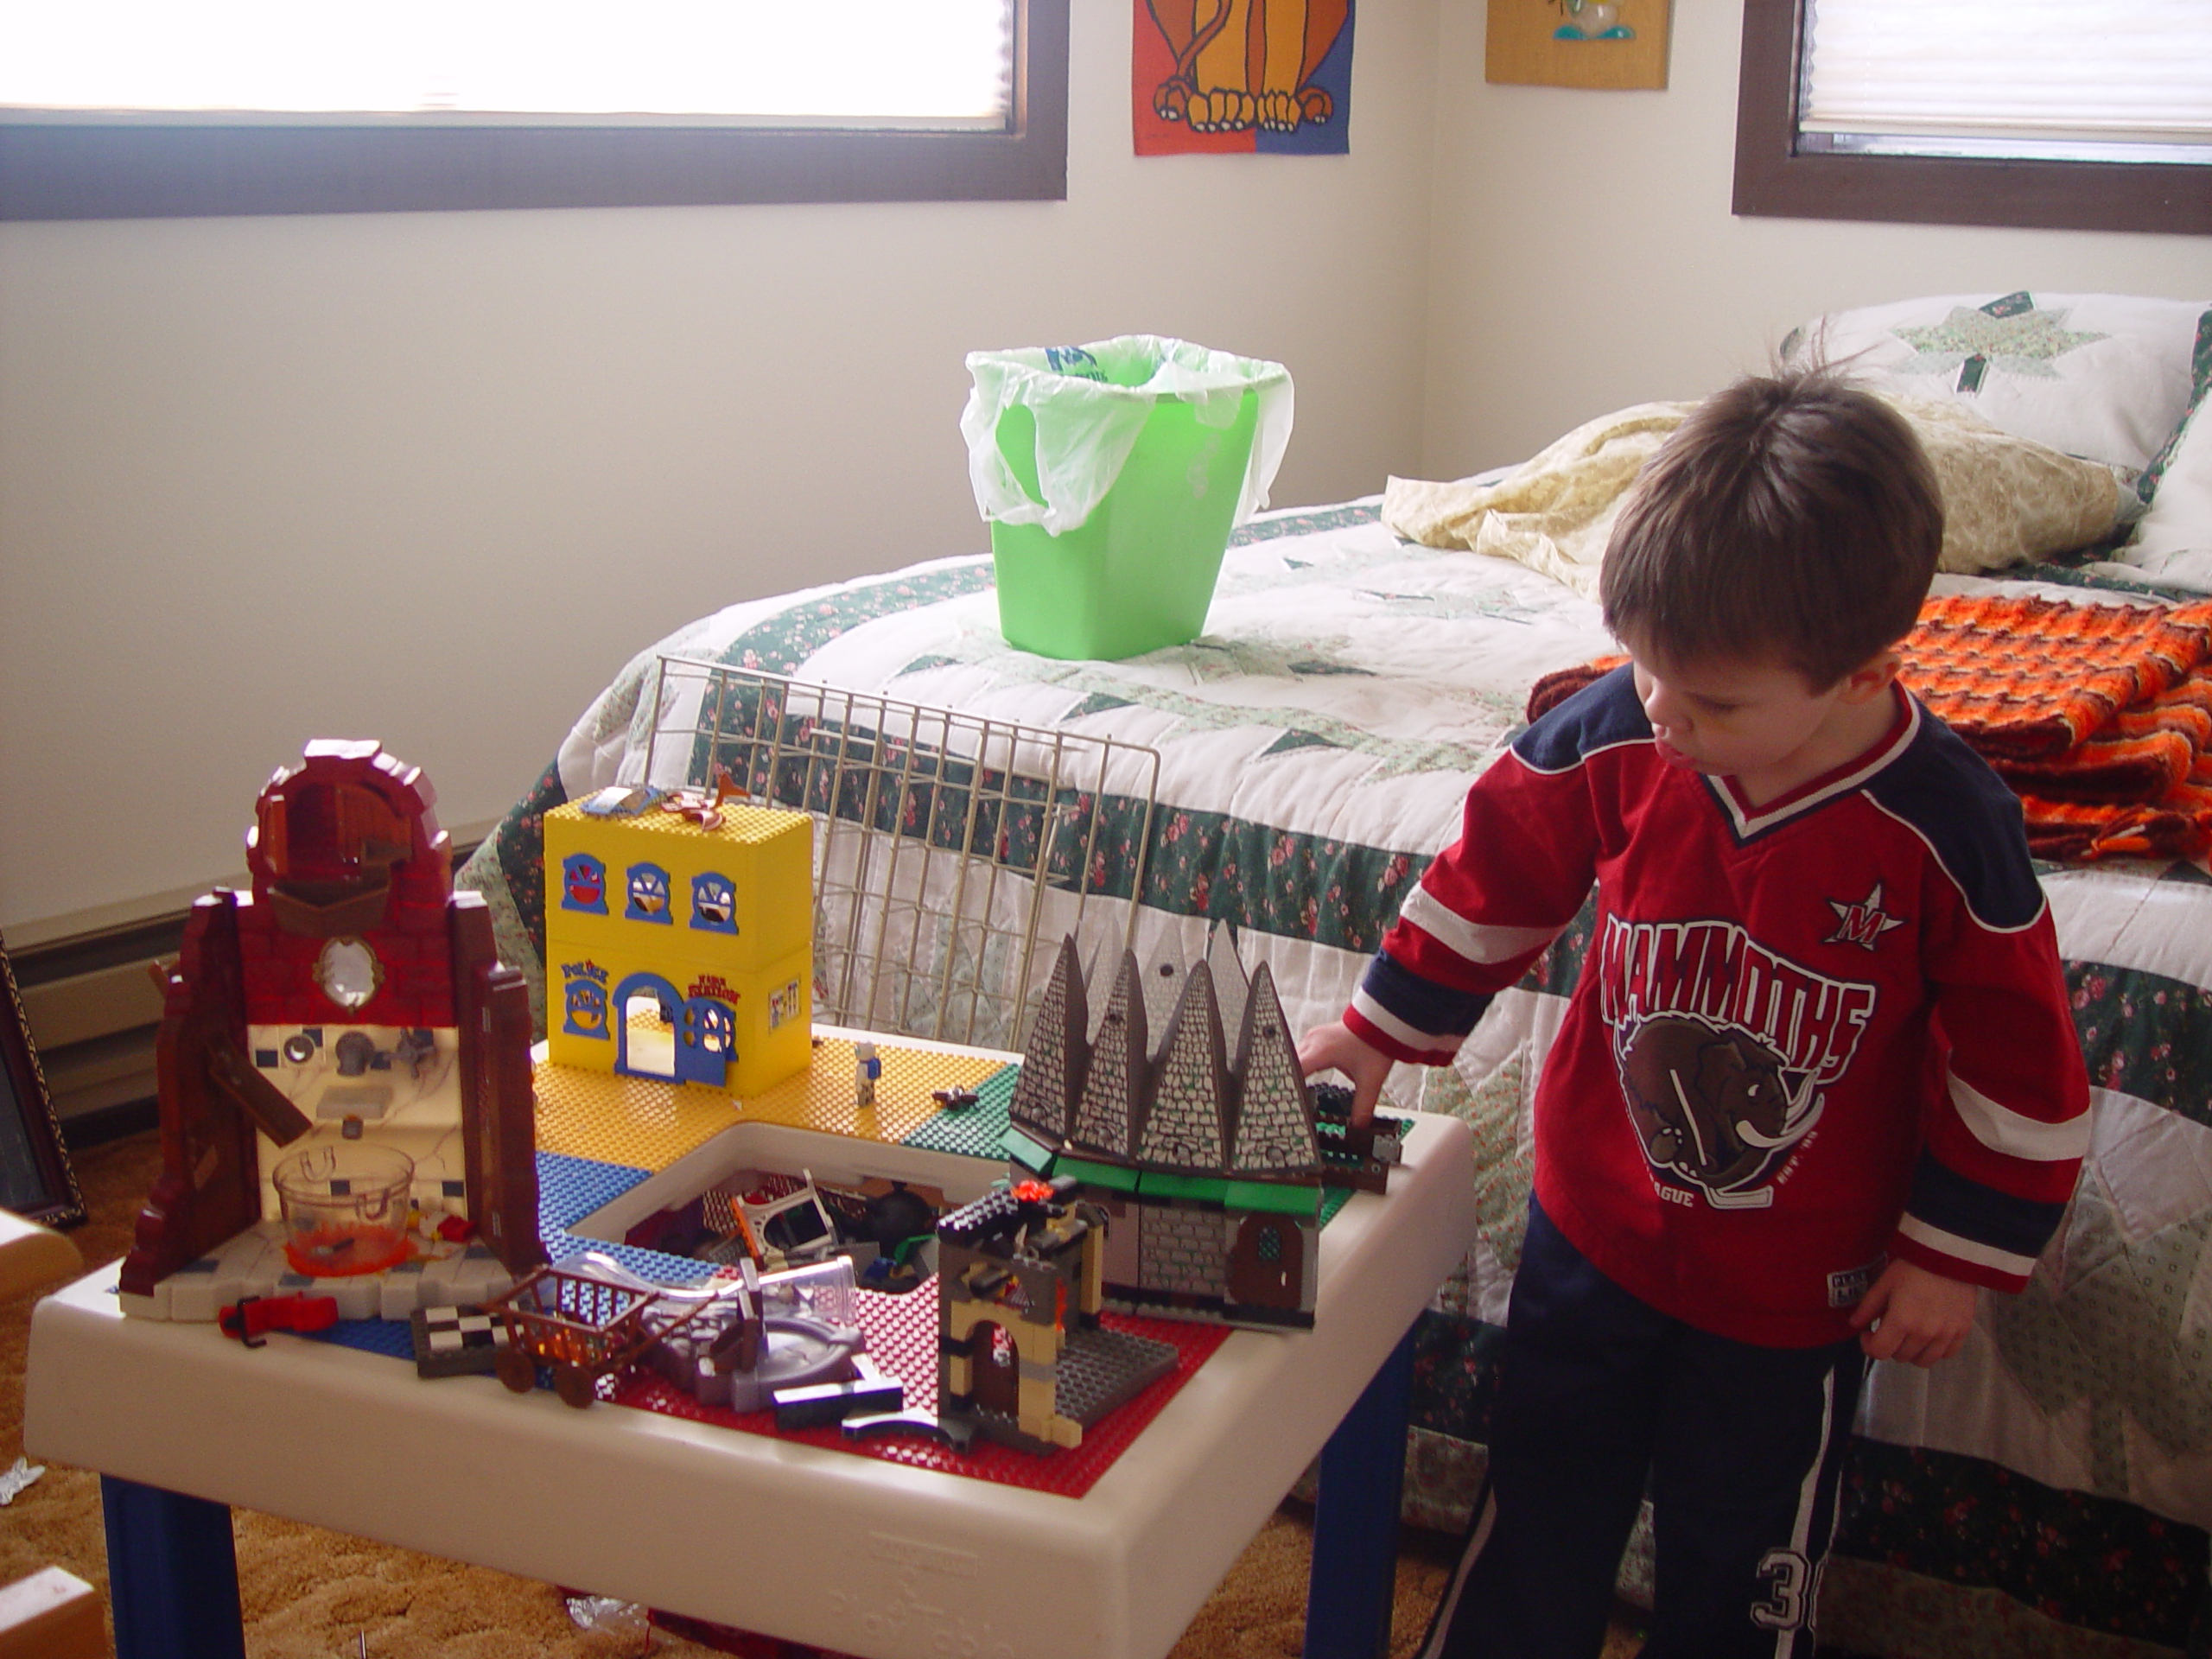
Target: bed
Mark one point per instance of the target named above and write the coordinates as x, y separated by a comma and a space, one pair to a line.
2048, 1491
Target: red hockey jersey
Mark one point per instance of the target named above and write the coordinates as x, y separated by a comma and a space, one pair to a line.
1809, 1035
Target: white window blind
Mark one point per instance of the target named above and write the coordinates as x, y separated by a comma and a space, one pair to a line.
2045, 79
889, 64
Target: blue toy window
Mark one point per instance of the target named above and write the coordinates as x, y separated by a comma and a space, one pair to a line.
714, 903
711, 1025
584, 884
1270, 1244
584, 1005
648, 890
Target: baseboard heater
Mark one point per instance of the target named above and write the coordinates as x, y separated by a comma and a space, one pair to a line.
93, 1005
93, 1009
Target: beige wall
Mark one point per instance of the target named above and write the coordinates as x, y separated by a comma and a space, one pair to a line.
1584, 256
432, 478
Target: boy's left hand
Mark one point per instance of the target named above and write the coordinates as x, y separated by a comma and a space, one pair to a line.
1914, 1315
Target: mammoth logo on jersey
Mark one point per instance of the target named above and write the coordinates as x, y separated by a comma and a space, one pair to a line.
1724, 1048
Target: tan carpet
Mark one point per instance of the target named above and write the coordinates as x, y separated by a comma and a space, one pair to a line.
310, 1594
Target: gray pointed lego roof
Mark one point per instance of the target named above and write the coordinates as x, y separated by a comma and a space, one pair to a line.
1229, 986
1109, 1114
1275, 1118
1054, 1060
1161, 1077
1162, 979
1186, 1126
1097, 972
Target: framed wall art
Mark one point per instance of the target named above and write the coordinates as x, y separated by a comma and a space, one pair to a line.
36, 1179
1241, 77
1606, 45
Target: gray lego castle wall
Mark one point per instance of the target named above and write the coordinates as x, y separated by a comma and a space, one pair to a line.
1183, 1250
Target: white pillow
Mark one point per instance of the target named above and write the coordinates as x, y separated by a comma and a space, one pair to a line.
2174, 540
2101, 376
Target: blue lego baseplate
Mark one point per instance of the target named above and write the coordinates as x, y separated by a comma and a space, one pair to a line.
568, 1189
392, 1337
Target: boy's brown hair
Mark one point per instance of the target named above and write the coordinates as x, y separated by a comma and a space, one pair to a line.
1792, 518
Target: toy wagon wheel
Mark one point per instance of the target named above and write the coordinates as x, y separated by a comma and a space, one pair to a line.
516, 1371
574, 1386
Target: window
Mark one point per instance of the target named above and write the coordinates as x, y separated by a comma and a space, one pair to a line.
648, 889
151, 108
2062, 114
714, 903
584, 884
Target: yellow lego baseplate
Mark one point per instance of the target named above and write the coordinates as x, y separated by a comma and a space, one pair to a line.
642, 1123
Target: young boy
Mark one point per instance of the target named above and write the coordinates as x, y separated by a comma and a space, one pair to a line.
1819, 1082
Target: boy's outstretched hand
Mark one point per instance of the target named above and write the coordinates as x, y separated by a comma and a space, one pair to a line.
1914, 1315
1333, 1046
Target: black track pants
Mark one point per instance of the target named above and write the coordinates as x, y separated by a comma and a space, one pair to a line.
1597, 1393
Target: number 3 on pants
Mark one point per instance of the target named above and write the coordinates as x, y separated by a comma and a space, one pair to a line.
1788, 1577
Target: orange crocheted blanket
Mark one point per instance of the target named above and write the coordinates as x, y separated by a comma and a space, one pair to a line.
2099, 716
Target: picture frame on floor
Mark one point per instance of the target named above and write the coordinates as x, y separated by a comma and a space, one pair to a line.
36, 1181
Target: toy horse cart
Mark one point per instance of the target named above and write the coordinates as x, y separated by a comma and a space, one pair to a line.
584, 1328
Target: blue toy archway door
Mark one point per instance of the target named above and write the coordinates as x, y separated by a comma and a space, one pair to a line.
706, 1042
671, 1011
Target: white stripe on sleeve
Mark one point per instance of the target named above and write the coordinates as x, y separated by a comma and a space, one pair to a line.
1475, 941
1966, 1250
2018, 1136
1421, 1042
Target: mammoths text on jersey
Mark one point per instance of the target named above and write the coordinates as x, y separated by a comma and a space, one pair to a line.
1723, 1046
1718, 972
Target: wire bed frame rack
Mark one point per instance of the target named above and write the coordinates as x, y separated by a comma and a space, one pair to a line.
946, 844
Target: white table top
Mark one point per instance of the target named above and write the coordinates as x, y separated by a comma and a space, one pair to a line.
851, 1553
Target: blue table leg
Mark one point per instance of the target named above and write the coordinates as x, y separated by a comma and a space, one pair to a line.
173, 1574
1356, 1519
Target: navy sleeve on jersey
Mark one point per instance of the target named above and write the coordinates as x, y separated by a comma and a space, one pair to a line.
1494, 898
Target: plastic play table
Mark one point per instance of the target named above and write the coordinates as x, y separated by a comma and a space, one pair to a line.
854, 1554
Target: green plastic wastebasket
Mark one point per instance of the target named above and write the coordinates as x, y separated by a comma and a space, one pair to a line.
1139, 572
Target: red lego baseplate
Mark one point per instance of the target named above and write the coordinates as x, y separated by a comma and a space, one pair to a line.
902, 1340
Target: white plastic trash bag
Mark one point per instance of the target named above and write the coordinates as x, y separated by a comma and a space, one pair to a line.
1091, 402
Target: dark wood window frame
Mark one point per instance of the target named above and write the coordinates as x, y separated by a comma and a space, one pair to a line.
1775, 179
148, 171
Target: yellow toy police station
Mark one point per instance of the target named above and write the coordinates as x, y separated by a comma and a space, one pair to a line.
680, 949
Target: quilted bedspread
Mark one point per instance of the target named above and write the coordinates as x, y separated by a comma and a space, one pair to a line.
2048, 1491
